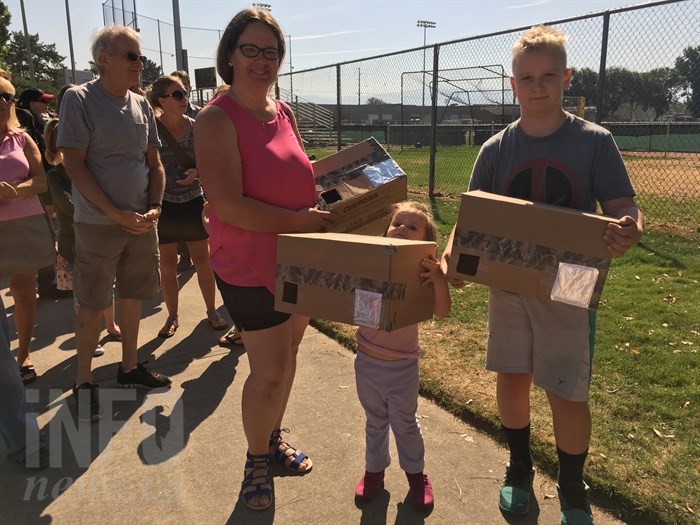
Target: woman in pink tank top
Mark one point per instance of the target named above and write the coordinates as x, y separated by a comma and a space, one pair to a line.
259, 183
25, 239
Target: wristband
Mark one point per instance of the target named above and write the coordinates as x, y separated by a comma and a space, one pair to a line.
155, 205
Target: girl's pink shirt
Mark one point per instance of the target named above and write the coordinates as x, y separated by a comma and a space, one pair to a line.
14, 167
275, 171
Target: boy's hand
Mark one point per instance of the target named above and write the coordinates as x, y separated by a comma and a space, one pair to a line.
621, 237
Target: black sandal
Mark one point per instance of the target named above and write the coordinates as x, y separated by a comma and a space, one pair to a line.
256, 481
28, 373
286, 455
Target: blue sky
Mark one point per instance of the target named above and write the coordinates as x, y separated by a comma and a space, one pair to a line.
322, 32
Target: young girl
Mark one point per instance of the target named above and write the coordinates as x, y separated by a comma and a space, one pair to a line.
386, 374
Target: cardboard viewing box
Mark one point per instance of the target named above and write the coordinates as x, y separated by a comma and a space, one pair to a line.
359, 185
535, 249
354, 279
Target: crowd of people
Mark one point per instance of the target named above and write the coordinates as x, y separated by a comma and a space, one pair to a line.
131, 176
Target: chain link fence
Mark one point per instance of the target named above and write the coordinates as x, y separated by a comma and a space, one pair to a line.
636, 72
434, 118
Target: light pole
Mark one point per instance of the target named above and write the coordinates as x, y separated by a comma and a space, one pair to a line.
70, 44
425, 24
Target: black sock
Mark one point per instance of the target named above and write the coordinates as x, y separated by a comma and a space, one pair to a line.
571, 468
519, 444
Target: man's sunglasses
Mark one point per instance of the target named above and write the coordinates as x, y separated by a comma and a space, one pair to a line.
178, 95
131, 57
7, 97
251, 51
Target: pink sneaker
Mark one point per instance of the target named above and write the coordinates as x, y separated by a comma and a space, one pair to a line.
420, 490
369, 486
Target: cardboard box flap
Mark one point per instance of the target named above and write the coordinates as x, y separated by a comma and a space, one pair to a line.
555, 227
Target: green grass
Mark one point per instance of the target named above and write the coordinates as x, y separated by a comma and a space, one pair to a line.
644, 458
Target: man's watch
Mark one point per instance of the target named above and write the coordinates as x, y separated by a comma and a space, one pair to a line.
155, 205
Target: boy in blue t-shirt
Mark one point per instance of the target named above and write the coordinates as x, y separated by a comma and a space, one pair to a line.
549, 156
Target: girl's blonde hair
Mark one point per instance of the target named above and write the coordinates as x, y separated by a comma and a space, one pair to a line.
421, 210
54, 156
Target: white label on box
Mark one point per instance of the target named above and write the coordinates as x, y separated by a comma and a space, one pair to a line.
574, 284
368, 308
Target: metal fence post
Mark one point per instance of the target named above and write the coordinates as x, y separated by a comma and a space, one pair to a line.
339, 107
601, 70
433, 122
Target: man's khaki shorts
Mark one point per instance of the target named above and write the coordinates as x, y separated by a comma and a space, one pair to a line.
105, 255
551, 340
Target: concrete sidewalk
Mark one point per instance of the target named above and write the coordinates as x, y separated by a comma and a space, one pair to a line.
177, 457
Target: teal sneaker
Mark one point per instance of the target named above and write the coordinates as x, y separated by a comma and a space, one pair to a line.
516, 488
575, 505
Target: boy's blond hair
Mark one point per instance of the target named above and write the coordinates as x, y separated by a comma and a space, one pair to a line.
541, 38
416, 208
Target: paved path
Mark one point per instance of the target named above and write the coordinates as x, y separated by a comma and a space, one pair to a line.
177, 457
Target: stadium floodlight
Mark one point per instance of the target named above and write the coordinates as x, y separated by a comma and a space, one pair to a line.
425, 24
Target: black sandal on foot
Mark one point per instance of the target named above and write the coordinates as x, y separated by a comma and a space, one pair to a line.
286, 455
28, 373
169, 328
232, 337
256, 482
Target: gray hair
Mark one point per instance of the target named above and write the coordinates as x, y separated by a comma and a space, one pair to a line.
103, 41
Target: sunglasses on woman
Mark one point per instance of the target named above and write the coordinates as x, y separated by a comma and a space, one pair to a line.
131, 57
251, 51
178, 95
7, 97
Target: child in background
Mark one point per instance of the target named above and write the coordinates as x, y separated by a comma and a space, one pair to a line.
549, 156
386, 374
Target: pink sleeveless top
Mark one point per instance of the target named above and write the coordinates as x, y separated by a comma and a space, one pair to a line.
14, 167
275, 171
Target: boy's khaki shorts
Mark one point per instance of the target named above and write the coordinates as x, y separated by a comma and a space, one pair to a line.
551, 340
105, 254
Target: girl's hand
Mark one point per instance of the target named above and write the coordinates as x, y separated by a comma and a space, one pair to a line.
190, 176
433, 273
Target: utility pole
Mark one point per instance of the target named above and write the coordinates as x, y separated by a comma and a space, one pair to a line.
358, 87
27, 44
70, 45
178, 35
425, 24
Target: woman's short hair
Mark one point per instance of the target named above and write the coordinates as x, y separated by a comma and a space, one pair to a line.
233, 32
103, 41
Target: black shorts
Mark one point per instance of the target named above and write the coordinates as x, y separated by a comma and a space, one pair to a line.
251, 307
181, 221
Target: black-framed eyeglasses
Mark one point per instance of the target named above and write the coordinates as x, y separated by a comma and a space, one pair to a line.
251, 51
178, 95
131, 57
8, 97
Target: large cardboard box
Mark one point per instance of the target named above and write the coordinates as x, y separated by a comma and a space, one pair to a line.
354, 279
359, 185
535, 249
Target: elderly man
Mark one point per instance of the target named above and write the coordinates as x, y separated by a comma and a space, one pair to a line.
110, 146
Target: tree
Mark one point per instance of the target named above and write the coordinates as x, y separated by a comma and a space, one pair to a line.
5, 18
374, 101
45, 60
151, 71
656, 89
688, 67
584, 83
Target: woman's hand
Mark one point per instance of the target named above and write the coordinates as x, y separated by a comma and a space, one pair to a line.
7, 191
190, 176
313, 220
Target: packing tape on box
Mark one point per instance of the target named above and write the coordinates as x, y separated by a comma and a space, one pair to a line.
340, 282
